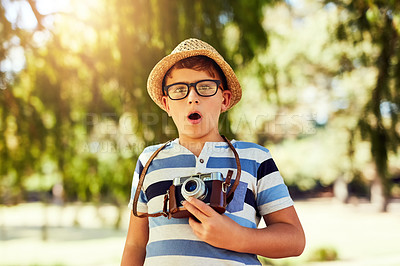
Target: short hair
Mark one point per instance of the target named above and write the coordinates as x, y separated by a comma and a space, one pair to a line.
199, 63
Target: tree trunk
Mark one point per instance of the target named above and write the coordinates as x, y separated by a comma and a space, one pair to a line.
378, 195
341, 190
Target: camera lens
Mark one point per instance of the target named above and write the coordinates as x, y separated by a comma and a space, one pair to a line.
191, 186
194, 187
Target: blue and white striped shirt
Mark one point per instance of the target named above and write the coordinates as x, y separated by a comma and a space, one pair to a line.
261, 191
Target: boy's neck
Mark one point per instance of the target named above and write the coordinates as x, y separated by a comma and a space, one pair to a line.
195, 145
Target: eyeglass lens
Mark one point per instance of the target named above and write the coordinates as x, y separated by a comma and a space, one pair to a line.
204, 88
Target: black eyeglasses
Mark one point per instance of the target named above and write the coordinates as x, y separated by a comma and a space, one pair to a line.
180, 90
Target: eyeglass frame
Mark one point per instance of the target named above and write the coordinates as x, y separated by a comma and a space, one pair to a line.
189, 85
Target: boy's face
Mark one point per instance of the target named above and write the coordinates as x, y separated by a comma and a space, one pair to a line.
196, 117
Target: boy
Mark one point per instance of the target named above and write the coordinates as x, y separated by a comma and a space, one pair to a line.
194, 85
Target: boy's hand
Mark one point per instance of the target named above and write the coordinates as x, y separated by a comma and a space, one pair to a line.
215, 229
283, 237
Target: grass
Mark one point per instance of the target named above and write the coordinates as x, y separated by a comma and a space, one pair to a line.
80, 234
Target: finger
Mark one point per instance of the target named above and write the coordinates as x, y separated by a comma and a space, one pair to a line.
194, 223
195, 211
204, 208
196, 226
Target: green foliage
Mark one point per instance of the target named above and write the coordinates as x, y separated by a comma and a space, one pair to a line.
378, 22
324, 254
320, 89
80, 104
319, 79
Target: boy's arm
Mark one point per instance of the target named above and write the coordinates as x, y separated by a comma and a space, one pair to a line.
136, 241
283, 236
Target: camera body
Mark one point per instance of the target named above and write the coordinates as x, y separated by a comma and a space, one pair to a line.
208, 187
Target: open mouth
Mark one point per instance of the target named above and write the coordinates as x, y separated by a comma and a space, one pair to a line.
194, 116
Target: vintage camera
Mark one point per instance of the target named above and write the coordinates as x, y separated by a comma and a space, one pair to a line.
209, 188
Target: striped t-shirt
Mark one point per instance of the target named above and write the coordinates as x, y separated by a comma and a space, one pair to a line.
171, 241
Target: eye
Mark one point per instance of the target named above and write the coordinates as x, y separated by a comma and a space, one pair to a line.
206, 87
203, 87
177, 89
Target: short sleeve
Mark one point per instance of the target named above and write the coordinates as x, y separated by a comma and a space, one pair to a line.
272, 193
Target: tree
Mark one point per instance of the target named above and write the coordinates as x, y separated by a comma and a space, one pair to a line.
377, 21
79, 107
320, 73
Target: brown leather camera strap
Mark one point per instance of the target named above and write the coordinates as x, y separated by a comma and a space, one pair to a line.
164, 212
140, 184
229, 196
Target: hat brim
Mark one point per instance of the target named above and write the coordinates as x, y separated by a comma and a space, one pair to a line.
154, 82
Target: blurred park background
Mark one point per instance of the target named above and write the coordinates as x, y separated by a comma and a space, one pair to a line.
320, 81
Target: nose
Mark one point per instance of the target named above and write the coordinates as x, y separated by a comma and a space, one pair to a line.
193, 97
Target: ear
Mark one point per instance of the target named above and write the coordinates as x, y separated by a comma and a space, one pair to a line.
226, 100
164, 100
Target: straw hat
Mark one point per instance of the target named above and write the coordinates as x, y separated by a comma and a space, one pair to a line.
188, 48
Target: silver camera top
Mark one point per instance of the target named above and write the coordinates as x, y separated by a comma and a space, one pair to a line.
205, 177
